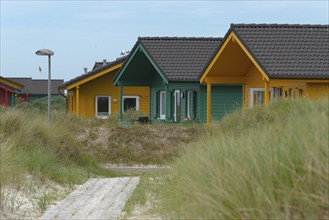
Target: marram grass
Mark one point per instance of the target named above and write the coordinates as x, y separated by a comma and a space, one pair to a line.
29, 145
265, 163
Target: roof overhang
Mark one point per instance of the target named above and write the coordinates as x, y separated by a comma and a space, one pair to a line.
92, 76
232, 37
11, 83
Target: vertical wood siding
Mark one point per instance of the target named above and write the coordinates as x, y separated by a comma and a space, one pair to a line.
102, 86
254, 79
225, 99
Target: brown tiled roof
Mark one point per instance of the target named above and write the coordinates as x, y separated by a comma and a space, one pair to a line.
287, 51
180, 58
95, 71
37, 86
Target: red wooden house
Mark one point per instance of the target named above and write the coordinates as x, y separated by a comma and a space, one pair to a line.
8, 91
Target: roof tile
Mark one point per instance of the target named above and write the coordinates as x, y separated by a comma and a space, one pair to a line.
37, 86
181, 58
288, 51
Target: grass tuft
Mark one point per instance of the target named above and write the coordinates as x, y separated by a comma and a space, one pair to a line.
265, 163
29, 144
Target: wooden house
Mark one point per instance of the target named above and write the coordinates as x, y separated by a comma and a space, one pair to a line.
170, 67
267, 61
92, 95
36, 88
8, 92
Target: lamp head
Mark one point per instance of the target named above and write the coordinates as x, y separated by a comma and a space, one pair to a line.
44, 52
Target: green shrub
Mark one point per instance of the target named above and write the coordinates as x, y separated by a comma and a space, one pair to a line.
132, 114
265, 163
40, 105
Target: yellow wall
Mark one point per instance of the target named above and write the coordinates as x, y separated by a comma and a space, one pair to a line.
103, 86
254, 79
233, 65
317, 90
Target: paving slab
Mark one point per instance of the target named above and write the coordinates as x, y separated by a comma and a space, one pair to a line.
135, 170
97, 198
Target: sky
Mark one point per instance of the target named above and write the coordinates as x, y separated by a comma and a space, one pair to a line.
83, 32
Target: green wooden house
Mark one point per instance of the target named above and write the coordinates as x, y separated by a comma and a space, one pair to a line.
171, 67
36, 88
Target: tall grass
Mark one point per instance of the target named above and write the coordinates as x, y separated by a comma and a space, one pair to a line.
265, 163
28, 144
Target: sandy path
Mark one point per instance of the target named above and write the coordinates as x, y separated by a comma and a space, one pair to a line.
98, 198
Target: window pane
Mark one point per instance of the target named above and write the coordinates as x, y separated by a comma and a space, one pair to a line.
163, 103
102, 105
259, 97
129, 103
189, 104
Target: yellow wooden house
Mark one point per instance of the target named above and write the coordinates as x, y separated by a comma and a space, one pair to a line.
270, 61
93, 95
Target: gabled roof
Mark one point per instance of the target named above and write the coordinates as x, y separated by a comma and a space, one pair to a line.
37, 86
287, 51
94, 72
177, 58
26, 81
98, 65
10, 84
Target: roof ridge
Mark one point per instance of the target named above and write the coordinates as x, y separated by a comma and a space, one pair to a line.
178, 38
47, 79
280, 25
18, 77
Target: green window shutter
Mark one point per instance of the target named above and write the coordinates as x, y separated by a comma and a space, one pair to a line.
157, 105
186, 103
171, 104
194, 105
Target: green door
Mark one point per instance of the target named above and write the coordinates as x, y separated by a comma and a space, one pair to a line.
224, 100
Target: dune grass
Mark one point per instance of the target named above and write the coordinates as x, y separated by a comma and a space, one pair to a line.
138, 143
265, 163
28, 144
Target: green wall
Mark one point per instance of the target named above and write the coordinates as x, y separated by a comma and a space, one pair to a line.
183, 87
224, 100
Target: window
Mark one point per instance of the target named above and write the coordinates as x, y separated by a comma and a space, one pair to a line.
130, 102
177, 109
276, 93
103, 106
162, 105
257, 96
190, 105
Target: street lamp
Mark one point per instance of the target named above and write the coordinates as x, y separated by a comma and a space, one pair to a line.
49, 53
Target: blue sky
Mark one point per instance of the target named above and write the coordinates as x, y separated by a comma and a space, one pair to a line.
82, 32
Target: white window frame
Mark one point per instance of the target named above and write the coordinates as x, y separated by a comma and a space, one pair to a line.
177, 95
275, 96
96, 107
162, 115
189, 95
131, 97
251, 95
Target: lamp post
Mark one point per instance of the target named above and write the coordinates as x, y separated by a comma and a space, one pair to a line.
49, 53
